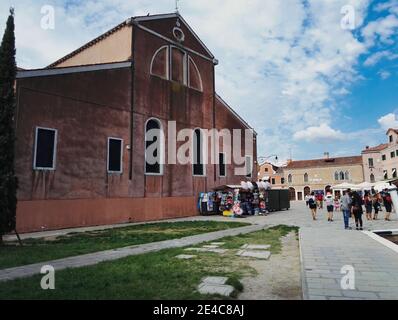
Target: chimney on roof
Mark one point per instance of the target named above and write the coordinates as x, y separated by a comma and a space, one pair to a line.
327, 155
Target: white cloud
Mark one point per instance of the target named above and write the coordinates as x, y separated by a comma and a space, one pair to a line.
378, 56
389, 121
323, 133
384, 74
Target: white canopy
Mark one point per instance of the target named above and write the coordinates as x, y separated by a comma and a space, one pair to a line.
345, 186
382, 185
366, 185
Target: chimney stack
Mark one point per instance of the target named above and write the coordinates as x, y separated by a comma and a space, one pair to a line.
327, 155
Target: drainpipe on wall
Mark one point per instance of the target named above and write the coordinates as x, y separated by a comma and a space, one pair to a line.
132, 98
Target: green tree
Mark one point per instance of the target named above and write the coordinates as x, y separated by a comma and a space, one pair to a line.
8, 180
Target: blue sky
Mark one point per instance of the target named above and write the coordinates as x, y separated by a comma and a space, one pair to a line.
288, 67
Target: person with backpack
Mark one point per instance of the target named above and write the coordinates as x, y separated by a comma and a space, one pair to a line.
387, 204
357, 209
368, 205
329, 202
312, 203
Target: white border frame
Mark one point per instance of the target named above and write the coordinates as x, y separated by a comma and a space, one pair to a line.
167, 62
54, 151
121, 156
204, 153
162, 149
225, 164
190, 60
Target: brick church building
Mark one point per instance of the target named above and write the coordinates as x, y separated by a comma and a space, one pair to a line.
81, 127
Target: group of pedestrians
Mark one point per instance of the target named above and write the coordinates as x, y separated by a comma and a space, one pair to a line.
352, 204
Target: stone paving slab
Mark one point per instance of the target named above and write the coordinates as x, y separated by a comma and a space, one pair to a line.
185, 257
215, 280
261, 255
255, 247
223, 290
206, 250
111, 255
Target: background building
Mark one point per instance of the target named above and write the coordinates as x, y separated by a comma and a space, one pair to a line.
319, 175
273, 174
81, 128
381, 162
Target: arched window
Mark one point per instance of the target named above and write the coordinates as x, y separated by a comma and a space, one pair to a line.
347, 176
194, 78
336, 176
372, 178
198, 153
290, 178
160, 63
342, 177
154, 147
306, 177
178, 65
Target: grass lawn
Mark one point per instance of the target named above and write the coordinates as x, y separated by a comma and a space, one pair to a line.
153, 276
39, 250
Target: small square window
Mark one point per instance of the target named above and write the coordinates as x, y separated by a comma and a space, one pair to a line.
384, 157
115, 155
392, 155
45, 149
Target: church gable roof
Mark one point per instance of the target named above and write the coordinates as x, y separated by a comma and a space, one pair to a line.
165, 24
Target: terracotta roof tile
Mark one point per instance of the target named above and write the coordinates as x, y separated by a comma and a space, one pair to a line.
380, 147
332, 162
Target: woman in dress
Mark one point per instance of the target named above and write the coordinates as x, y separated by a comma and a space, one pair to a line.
368, 205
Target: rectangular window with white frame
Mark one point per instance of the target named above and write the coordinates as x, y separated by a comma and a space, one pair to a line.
249, 166
222, 165
115, 156
45, 149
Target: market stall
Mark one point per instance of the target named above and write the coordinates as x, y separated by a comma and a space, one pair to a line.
247, 199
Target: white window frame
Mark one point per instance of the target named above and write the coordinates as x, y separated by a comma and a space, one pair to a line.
225, 165
251, 166
190, 60
185, 65
54, 152
162, 149
121, 156
167, 62
203, 153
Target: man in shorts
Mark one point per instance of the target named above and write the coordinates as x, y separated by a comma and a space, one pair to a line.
329, 202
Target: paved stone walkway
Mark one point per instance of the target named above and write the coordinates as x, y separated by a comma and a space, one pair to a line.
111, 255
326, 248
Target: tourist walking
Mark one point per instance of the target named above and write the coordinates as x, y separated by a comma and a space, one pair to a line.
329, 202
307, 198
346, 208
319, 199
337, 204
387, 204
312, 203
376, 206
357, 210
368, 205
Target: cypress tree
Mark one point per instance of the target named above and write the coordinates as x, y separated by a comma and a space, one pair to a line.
8, 180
